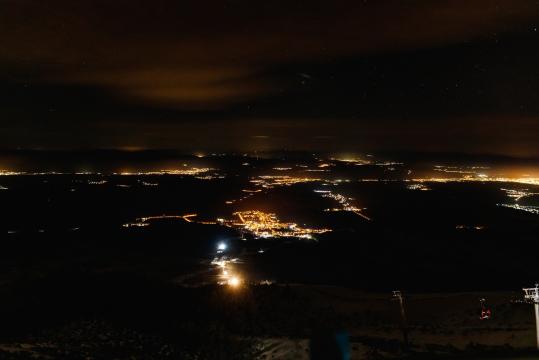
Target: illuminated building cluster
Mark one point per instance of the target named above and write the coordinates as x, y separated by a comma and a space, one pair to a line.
458, 170
353, 160
482, 178
136, 224
470, 227
270, 181
474, 174
97, 182
360, 161
267, 225
518, 194
201, 173
145, 221
146, 183
282, 168
527, 208
344, 203
20, 173
337, 181
188, 172
210, 177
260, 224
10, 173
390, 164
420, 187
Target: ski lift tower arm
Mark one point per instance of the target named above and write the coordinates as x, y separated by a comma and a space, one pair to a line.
532, 295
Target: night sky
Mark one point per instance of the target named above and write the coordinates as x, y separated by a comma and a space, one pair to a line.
359, 75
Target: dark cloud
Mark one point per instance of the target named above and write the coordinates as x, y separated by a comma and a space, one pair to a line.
273, 74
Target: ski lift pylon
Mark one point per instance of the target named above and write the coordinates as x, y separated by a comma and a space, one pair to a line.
486, 313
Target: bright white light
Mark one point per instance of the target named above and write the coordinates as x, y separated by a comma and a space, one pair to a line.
219, 262
221, 246
234, 281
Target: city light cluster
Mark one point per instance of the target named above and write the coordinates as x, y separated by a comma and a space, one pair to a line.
10, 173
527, 208
352, 160
188, 171
458, 170
270, 181
420, 187
267, 225
145, 183
97, 182
344, 203
145, 221
481, 178
40, 173
470, 227
518, 194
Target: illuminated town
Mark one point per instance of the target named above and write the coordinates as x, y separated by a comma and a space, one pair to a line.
187, 171
194, 171
526, 208
270, 181
267, 225
344, 203
145, 221
481, 178
519, 194
97, 182
420, 187
258, 223
470, 227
